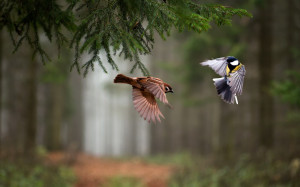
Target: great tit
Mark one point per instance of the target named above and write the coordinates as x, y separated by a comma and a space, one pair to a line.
232, 72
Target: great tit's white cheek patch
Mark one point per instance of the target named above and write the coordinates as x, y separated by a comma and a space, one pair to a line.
234, 63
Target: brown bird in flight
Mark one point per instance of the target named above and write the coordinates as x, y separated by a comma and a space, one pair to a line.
144, 91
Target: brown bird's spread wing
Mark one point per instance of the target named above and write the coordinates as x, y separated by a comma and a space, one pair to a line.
236, 80
146, 105
156, 87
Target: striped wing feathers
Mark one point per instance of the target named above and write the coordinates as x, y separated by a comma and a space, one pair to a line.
218, 65
157, 88
146, 105
236, 80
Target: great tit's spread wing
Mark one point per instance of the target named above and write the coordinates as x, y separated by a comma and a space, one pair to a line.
218, 65
156, 87
145, 103
236, 80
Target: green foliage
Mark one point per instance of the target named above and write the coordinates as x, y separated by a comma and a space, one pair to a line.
122, 27
120, 181
25, 20
289, 89
182, 159
193, 171
56, 71
21, 174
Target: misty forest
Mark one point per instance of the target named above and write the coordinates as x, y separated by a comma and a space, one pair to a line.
65, 122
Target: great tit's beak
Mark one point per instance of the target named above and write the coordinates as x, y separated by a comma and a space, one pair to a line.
171, 91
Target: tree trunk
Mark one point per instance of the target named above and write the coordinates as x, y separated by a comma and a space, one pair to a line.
75, 135
290, 33
266, 123
30, 123
1, 92
56, 116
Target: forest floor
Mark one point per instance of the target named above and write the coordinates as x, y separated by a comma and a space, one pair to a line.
92, 171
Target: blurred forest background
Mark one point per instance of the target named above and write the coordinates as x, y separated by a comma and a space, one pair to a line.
47, 108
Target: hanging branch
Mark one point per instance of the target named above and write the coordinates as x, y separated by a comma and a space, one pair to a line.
116, 27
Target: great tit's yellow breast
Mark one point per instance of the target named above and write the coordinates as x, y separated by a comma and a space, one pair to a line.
228, 71
236, 68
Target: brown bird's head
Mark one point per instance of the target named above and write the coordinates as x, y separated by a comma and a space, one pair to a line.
168, 88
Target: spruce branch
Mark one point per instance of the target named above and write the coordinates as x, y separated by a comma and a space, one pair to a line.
116, 27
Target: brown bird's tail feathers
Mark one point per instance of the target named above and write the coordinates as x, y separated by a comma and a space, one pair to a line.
120, 78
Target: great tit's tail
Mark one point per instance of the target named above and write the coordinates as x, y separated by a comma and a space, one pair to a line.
120, 78
224, 91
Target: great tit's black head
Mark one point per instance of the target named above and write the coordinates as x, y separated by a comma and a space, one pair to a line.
232, 60
168, 89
